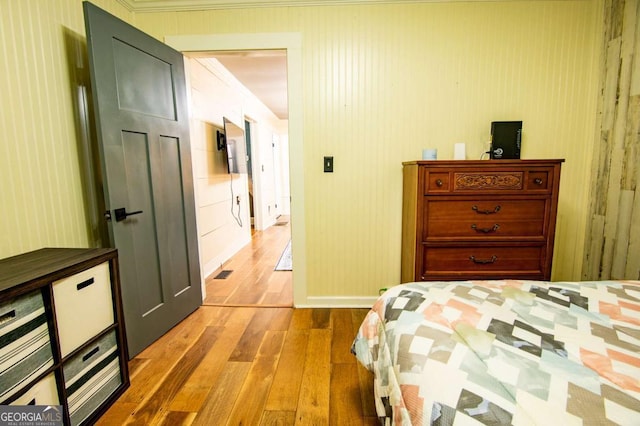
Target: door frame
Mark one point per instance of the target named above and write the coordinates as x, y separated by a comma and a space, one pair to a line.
292, 43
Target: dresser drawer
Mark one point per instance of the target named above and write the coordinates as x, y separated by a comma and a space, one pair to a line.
91, 377
44, 392
84, 306
487, 261
460, 181
25, 345
483, 218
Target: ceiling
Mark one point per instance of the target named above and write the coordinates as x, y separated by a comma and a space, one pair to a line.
263, 72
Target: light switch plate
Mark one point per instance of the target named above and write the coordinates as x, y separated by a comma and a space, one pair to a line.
328, 164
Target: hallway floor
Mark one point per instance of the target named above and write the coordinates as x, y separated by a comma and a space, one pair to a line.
253, 281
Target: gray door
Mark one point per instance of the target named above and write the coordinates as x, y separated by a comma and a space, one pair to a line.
140, 106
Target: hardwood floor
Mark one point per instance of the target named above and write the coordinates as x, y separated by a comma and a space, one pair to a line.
251, 365
253, 280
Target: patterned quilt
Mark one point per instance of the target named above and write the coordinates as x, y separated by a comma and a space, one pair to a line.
505, 352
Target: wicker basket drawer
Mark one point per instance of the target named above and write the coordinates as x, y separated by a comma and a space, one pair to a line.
84, 306
91, 376
25, 345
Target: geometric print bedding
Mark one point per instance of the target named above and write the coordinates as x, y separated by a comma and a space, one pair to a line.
505, 352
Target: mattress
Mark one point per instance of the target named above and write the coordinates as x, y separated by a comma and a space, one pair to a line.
505, 352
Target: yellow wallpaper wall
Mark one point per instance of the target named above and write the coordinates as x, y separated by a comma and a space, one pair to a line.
43, 186
381, 82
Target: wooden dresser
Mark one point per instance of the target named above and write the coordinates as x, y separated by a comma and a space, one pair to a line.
62, 336
484, 219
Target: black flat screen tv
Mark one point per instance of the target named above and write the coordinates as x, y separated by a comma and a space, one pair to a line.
233, 142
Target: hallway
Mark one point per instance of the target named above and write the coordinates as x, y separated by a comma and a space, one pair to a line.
252, 280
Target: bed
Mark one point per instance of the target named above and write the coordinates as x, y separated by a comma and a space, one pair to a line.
505, 352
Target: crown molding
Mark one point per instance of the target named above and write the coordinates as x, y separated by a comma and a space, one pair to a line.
190, 5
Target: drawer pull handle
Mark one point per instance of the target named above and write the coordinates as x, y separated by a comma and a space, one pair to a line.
483, 261
439, 182
7, 317
86, 283
537, 181
485, 230
494, 211
91, 353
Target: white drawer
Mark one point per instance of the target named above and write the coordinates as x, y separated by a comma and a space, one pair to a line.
84, 306
45, 392
25, 347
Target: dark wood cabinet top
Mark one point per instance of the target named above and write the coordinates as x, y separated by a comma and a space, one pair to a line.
48, 264
484, 163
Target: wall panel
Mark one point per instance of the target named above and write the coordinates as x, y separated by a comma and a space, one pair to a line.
383, 81
43, 200
613, 242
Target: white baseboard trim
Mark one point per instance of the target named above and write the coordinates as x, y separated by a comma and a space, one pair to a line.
339, 302
218, 261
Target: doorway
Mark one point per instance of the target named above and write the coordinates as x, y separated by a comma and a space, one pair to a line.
291, 42
247, 139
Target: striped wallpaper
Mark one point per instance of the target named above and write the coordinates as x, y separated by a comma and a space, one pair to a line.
43, 79
381, 82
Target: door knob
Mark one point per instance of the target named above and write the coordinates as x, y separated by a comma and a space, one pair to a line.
122, 213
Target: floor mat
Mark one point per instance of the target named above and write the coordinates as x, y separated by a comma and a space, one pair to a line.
285, 262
